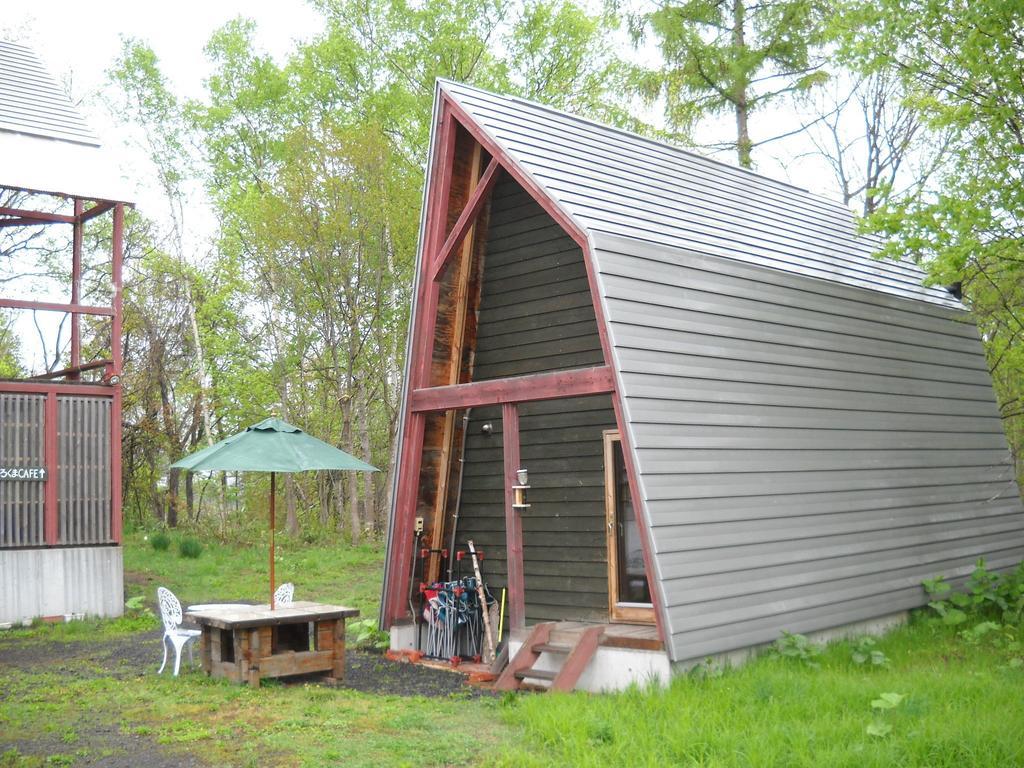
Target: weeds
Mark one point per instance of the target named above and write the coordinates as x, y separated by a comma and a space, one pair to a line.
866, 652
797, 647
160, 541
190, 548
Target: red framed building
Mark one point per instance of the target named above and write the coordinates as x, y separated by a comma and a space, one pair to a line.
733, 420
60, 431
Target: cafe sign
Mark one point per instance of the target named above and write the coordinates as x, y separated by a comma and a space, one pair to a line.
23, 473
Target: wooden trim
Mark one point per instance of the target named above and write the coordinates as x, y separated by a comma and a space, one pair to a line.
513, 521
624, 612
116, 519
76, 290
71, 372
512, 168
519, 389
479, 188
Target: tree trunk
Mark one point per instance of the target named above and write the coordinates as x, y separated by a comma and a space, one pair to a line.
173, 476
292, 519
190, 497
740, 95
369, 497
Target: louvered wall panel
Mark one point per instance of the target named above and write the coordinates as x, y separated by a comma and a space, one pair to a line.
83, 496
21, 445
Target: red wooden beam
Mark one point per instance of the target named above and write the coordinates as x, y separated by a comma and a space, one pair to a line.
49, 306
45, 388
76, 290
118, 302
513, 521
96, 210
38, 216
115, 466
50, 526
521, 389
19, 222
467, 218
420, 352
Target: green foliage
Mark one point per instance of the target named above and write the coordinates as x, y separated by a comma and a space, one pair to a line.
190, 548
960, 65
10, 365
986, 595
734, 57
160, 541
367, 635
866, 652
797, 647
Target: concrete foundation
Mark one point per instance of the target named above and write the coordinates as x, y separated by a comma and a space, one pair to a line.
70, 582
877, 626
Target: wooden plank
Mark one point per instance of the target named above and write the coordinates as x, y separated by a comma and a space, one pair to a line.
541, 386
338, 658
525, 658
462, 231
252, 655
324, 635
296, 663
578, 659
513, 519
51, 306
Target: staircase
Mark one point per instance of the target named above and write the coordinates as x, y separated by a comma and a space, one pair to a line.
520, 671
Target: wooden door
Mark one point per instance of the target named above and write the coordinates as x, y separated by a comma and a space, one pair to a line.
629, 593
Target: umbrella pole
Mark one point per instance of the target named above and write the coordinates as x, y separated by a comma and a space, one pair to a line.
273, 494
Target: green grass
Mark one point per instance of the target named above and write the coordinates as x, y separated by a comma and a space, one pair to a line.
963, 704
963, 708
227, 572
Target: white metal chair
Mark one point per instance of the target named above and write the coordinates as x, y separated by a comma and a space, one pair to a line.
170, 612
283, 595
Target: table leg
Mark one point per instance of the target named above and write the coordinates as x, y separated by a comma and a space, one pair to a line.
338, 652
206, 649
253, 657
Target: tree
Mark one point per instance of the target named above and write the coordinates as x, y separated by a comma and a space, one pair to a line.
962, 64
731, 56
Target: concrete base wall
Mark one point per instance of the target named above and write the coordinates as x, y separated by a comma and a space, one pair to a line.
68, 582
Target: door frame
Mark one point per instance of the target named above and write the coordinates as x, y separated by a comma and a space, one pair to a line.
630, 613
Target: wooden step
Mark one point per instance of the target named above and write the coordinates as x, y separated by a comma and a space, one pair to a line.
535, 674
551, 648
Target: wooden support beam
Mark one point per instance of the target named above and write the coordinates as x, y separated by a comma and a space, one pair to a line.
467, 219
76, 291
21, 222
71, 373
41, 217
513, 520
49, 306
117, 263
460, 298
520, 389
94, 211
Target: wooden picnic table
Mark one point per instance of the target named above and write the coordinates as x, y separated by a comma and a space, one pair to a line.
245, 643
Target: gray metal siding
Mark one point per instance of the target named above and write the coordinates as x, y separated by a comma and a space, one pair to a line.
611, 181
808, 452
32, 102
536, 315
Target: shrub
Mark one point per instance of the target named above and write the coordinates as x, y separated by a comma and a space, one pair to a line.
160, 541
190, 548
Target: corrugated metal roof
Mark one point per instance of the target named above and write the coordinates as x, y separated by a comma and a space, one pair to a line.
615, 182
32, 102
45, 144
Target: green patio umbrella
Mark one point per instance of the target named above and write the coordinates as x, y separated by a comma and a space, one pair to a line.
271, 446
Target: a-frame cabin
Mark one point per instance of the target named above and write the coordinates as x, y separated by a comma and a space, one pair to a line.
734, 420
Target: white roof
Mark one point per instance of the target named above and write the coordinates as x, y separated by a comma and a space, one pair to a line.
45, 143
